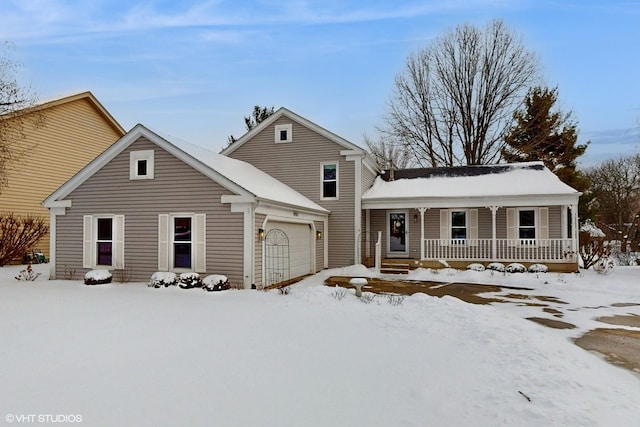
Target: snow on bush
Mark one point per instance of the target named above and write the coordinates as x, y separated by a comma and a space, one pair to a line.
97, 277
163, 278
475, 267
515, 267
496, 266
215, 282
190, 280
604, 265
538, 268
590, 228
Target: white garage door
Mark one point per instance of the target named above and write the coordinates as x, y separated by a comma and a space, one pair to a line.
299, 235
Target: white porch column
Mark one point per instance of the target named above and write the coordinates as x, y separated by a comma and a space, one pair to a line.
575, 227
422, 211
494, 241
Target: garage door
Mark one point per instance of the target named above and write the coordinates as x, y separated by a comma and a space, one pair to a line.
299, 254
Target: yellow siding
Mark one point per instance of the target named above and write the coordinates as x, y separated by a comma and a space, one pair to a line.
74, 134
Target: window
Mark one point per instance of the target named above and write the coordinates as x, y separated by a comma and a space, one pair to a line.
527, 224
104, 241
141, 164
182, 242
284, 133
458, 225
329, 181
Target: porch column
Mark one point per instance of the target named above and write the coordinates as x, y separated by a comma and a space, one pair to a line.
494, 241
422, 211
575, 227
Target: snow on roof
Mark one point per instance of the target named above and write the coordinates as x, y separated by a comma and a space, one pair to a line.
247, 176
530, 178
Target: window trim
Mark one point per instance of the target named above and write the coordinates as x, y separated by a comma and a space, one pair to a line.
288, 127
90, 241
135, 157
337, 181
534, 227
95, 240
172, 242
457, 240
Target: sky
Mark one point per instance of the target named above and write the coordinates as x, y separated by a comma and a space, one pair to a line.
193, 69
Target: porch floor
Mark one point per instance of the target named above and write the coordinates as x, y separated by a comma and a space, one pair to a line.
413, 263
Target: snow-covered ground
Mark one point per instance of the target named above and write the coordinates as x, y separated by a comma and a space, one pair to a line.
129, 355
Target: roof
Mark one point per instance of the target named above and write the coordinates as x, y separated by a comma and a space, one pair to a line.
65, 99
282, 111
239, 177
465, 182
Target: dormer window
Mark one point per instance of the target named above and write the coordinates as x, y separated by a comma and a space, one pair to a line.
283, 133
141, 164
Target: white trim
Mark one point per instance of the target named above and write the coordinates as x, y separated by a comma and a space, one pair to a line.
135, 157
536, 222
337, 165
357, 216
53, 213
523, 200
90, 240
288, 127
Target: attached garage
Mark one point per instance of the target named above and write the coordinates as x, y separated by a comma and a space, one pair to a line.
288, 251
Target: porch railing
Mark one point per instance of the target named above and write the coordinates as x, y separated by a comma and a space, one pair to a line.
529, 250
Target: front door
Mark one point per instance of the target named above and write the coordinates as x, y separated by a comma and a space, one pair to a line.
397, 230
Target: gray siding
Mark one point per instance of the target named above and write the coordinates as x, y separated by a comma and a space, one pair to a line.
297, 164
176, 188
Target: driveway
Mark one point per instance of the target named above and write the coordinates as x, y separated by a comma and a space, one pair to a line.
618, 346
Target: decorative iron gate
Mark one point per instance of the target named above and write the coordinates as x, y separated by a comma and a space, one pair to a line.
277, 263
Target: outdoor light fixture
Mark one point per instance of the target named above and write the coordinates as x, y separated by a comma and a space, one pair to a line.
261, 234
415, 218
318, 235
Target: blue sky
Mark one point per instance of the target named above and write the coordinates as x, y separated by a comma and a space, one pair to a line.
193, 69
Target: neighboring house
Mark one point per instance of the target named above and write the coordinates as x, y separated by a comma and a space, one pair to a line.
290, 198
148, 204
76, 129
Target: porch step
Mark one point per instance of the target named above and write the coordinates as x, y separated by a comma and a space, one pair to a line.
394, 268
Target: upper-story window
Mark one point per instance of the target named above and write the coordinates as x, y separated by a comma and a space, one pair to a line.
141, 164
329, 189
283, 133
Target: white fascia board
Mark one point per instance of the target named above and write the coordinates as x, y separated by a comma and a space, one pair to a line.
515, 201
290, 213
53, 204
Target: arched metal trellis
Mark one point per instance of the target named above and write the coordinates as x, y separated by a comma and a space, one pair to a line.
277, 261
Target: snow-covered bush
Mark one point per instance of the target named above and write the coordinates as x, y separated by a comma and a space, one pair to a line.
28, 275
475, 267
515, 267
496, 266
604, 265
97, 277
538, 268
190, 280
163, 278
625, 258
215, 282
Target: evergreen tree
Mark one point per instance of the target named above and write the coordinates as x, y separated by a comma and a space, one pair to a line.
257, 116
542, 133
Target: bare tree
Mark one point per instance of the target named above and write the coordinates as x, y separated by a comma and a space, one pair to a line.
17, 114
455, 98
388, 154
616, 190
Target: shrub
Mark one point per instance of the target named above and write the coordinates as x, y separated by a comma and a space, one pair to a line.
97, 277
190, 280
339, 293
163, 278
515, 267
604, 265
18, 234
475, 267
28, 275
496, 266
538, 268
215, 282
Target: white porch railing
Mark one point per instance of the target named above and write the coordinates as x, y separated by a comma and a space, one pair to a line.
528, 250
